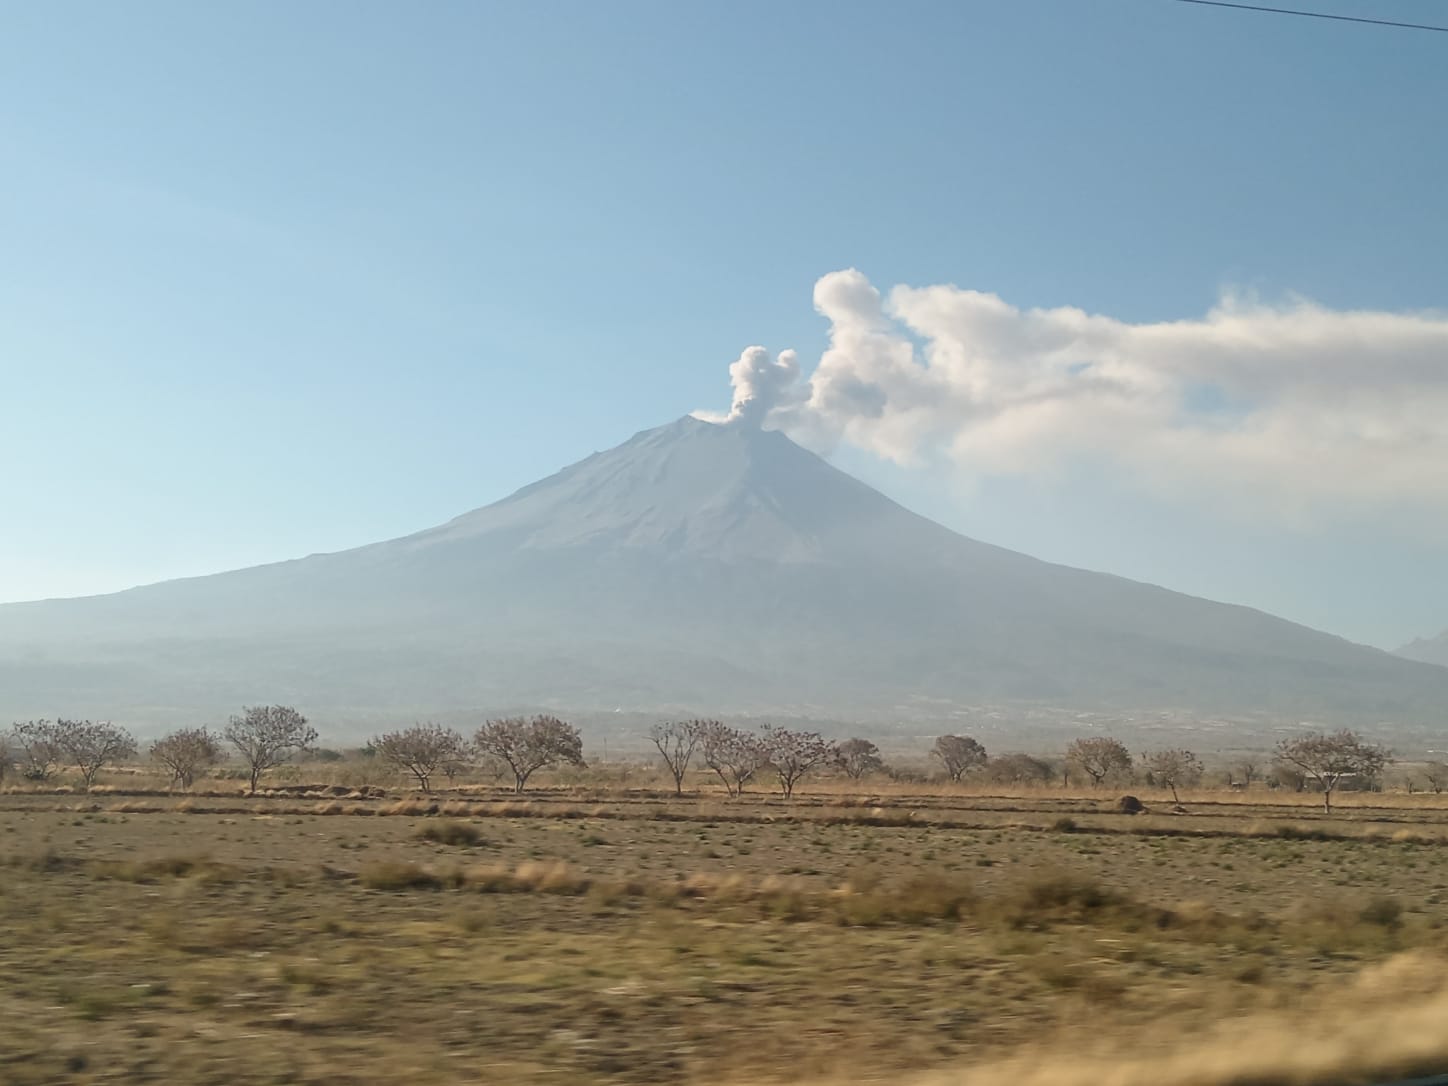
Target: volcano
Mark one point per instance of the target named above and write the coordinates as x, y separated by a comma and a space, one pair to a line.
697, 568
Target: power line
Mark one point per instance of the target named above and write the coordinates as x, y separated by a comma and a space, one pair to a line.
1316, 15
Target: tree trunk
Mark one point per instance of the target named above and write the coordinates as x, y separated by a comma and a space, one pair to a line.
255, 773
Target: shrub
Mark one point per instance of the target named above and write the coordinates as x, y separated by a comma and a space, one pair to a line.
930, 897
453, 833
1384, 911
1074, 899
399, 875
1291, 832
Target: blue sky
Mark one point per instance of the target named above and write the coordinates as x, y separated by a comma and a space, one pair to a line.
281, 278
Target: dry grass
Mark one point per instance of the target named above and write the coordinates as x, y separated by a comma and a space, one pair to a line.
636, 938
1378, 1030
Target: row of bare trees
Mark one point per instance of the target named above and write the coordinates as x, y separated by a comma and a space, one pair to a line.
524, 744
1097, 757
737, 756
1327, 759
41, 748
268, 736
264, 736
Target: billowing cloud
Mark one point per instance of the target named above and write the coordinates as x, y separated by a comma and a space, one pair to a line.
1294, 408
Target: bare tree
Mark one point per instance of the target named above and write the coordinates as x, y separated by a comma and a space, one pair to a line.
186, 753
1019, 769
530, 744
676, 741
456, 764
859, 758
267, 736
1436, 774
794, 754
90, 746
1099, 757
1328, 758
1173, 768
1287, 776
494, 769
1249, 769
86, 744
959, 753
735, 756
422, 750
39, 748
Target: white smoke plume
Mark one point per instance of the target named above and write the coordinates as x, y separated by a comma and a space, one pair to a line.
762, 384
1290, 409
765, 387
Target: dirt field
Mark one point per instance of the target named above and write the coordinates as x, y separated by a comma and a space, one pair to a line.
633, 937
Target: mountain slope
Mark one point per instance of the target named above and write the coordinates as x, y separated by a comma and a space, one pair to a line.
694, 568
1431, 650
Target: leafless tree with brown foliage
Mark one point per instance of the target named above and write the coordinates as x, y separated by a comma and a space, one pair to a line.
267, 736
959, 754
1172, 768
1019, 769
1328, 758
1099, 757
527, 744
792, 755
92, 745
455, 765
676, 741
186, 753
1436, 774
735, 756
1287, 776
859, 758
39, 749
421, 750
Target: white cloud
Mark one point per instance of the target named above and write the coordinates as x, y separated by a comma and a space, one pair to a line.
1295, 409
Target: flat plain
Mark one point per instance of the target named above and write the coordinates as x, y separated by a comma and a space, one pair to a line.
625, 935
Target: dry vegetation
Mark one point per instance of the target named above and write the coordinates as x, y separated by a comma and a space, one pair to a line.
602, 929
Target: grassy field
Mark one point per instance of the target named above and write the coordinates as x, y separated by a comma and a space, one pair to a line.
622, 936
